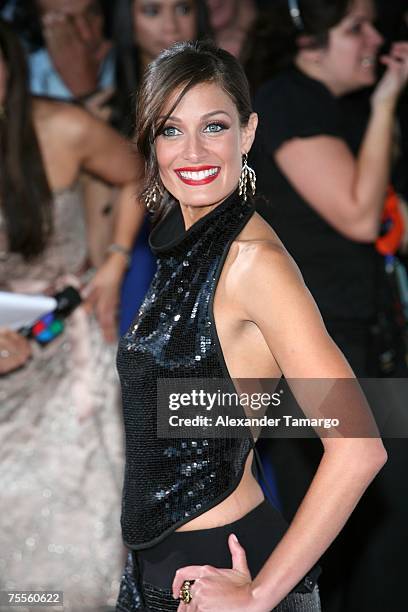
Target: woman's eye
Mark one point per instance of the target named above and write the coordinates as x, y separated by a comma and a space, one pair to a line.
215, 127
150, 10
183, 8
170, 131
95, 9
356, 28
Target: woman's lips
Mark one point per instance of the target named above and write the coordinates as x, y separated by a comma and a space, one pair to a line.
198, 175
368, 61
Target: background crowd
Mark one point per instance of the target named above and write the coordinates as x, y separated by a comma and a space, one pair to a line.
331, 160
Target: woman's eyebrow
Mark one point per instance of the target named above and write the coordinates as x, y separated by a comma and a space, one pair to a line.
206, 116
363, 16
216, 112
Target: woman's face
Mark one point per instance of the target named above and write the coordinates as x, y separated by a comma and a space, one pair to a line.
3, 79
222, 13
349, 61
157, 24
85, 16
199, 151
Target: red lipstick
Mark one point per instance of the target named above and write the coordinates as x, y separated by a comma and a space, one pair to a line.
197, 175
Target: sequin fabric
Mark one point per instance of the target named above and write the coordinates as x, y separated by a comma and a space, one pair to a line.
170, 481
129, 599
61, 453
154, 598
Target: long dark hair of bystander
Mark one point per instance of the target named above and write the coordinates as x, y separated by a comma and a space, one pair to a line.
25, 196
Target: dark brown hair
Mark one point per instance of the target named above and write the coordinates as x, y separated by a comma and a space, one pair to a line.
272, 43
183, 66
25, 196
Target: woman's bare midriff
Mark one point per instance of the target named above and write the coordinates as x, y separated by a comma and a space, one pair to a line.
242, 500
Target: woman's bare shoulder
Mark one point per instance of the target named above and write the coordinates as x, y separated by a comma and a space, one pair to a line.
258, 229
258, 252
67, 122
45, 109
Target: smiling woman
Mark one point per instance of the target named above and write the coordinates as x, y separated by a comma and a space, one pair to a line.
195, 150
225, 288
208, 130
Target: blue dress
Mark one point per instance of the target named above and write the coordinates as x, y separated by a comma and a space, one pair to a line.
137, 279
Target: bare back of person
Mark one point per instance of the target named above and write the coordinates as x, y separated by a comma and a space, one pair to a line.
72, 140
54, 123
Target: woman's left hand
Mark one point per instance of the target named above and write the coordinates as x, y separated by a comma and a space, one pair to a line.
217, 589
15, 350
102, 294
395, 77
98, 104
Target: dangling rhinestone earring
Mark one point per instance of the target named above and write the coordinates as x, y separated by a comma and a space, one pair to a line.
152, 195
246, 173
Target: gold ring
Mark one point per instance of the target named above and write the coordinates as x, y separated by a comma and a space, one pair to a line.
185, 593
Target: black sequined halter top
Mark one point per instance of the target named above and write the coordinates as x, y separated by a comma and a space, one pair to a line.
170, 481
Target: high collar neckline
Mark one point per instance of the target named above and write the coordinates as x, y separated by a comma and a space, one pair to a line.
170, 235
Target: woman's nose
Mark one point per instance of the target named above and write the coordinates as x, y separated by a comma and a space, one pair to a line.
171, 25
194, 149
374, 37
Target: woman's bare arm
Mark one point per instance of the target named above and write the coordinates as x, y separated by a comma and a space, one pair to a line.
269, 291
109, 156
105, 154
291, 324
104, 289
99, 149
350, 193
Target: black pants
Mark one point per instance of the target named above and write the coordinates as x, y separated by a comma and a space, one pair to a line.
149, 573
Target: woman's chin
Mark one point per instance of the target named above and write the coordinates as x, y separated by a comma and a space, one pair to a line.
368, 77
203, 195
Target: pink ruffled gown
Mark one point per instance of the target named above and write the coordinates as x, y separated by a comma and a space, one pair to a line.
61, 440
